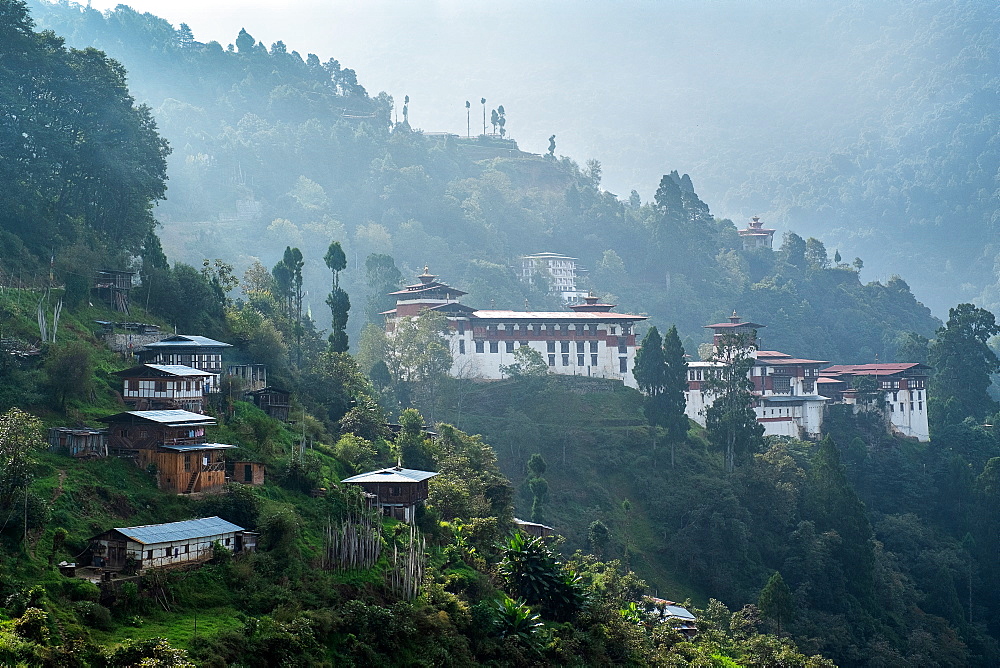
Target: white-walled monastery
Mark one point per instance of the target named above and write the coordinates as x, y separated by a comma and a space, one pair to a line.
588, 339
792, 393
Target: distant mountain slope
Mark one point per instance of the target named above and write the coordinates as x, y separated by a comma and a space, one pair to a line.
271, 149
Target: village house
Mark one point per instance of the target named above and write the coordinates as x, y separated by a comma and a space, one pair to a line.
164, 386
168, 545
587, 339
533, 529
200, 352
396, 491
132, 431
272, 400
187, 469
902, 388
791, 394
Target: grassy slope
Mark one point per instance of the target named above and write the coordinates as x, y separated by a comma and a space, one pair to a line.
599, 452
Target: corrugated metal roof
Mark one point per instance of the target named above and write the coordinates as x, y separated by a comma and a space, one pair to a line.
392, 475
175, 417
197, 446
187, 341
149, 534
179, 369
169, 369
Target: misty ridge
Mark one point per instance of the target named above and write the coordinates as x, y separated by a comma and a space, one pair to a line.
803, 97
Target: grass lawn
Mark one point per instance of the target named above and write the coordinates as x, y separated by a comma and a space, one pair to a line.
177, 628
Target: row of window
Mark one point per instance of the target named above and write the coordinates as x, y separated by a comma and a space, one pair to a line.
175, 551
895, 395
564, 346
163, 385
581, 361
550, 328
902, 406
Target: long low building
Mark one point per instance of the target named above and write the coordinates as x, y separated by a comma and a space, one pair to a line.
587, 339
168, 545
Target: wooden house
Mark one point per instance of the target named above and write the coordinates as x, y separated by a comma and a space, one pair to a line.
188, 469
273, 401
248, 473
83, 443
168, 545
534, 529
189, 350
164, 386
132, 431
397, 491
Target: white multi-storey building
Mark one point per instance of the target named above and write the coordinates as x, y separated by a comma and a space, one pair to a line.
589, 339
558, 271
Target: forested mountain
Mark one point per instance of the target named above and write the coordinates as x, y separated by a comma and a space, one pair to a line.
866, 548
272, 149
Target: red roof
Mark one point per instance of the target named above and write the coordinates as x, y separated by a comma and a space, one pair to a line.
881, 369
795, 360
553, 315
770, 353
733, 325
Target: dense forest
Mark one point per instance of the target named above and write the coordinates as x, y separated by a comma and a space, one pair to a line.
293, 193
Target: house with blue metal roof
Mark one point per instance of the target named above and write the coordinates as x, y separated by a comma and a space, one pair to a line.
168, 545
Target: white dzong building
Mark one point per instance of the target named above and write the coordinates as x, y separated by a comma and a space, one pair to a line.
587, 339
791, 394
786, 399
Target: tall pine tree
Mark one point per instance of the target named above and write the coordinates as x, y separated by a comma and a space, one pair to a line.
338, 301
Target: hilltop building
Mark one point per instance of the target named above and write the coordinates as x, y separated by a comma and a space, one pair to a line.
791, 394
557, 271
755, 235
588, 339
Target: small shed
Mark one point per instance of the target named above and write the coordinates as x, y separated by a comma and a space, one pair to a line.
188, 468
272, 400
248, 473
534, 528
83, 442
397, 491
168, 545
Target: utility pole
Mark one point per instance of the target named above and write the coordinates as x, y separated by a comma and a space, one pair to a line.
483, 101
